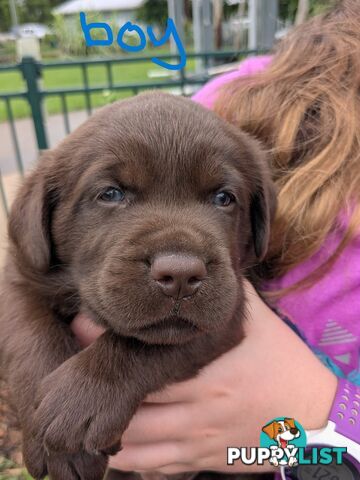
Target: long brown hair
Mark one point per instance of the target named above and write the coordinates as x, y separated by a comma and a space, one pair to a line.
305, 109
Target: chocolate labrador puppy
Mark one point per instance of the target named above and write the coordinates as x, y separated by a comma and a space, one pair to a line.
147, 218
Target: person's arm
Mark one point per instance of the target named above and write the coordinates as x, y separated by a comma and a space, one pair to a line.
189, 425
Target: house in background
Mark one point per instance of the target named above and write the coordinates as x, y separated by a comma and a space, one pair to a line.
118, 11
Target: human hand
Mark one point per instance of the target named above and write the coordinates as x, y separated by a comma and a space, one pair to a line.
188, 426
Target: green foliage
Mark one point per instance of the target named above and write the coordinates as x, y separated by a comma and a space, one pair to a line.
156, 12
10, 471
37, 11
70, 41
321, 6
70, 37
4, 15
287, 8
230, 10
29, 11
153, 12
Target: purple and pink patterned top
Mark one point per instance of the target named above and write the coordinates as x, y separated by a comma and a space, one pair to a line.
328, 313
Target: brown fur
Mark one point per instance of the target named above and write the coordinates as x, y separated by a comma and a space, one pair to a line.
71, 252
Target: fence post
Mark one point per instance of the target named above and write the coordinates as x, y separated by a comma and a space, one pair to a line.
31, 73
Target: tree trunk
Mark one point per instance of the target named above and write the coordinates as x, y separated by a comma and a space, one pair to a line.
218, 17
302, 11
239, 35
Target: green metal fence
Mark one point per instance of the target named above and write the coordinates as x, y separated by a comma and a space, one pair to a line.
34, 94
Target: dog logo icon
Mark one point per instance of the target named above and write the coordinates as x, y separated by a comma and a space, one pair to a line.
283, 436
283, 443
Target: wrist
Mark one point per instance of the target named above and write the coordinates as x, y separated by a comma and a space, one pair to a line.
303, 387
319, 398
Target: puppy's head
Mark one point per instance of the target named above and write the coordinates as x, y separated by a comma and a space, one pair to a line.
153, 208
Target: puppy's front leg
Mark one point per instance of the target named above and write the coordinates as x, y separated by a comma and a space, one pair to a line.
33, 343
89, 400
87, 403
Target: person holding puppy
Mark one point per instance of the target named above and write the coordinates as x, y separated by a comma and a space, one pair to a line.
303, 104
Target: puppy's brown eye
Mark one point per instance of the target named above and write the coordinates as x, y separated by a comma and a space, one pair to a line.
112, 194
223, 199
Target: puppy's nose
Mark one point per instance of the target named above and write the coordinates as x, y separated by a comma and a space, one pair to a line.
294, 431
178, 276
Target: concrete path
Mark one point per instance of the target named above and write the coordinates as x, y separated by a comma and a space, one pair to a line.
28, 148
27, 140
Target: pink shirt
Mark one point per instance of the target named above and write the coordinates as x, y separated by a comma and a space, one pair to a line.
328, 313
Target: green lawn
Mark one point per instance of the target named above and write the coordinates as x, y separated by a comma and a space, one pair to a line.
72, 76
10, 471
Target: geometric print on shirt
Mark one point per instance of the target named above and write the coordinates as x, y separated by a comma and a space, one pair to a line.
331, 334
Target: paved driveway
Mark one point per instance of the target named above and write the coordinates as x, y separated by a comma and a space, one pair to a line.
27, 143
26, 137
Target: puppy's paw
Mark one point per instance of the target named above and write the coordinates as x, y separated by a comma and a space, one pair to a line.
41, 463
74, 413
74, 467
35, 457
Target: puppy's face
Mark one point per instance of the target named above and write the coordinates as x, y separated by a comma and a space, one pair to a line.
153, 208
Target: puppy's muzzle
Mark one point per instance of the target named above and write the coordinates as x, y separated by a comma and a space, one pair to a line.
177, 275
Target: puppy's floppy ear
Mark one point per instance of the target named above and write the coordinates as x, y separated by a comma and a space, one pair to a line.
29, 221
270, 430
262, 200
262, 209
